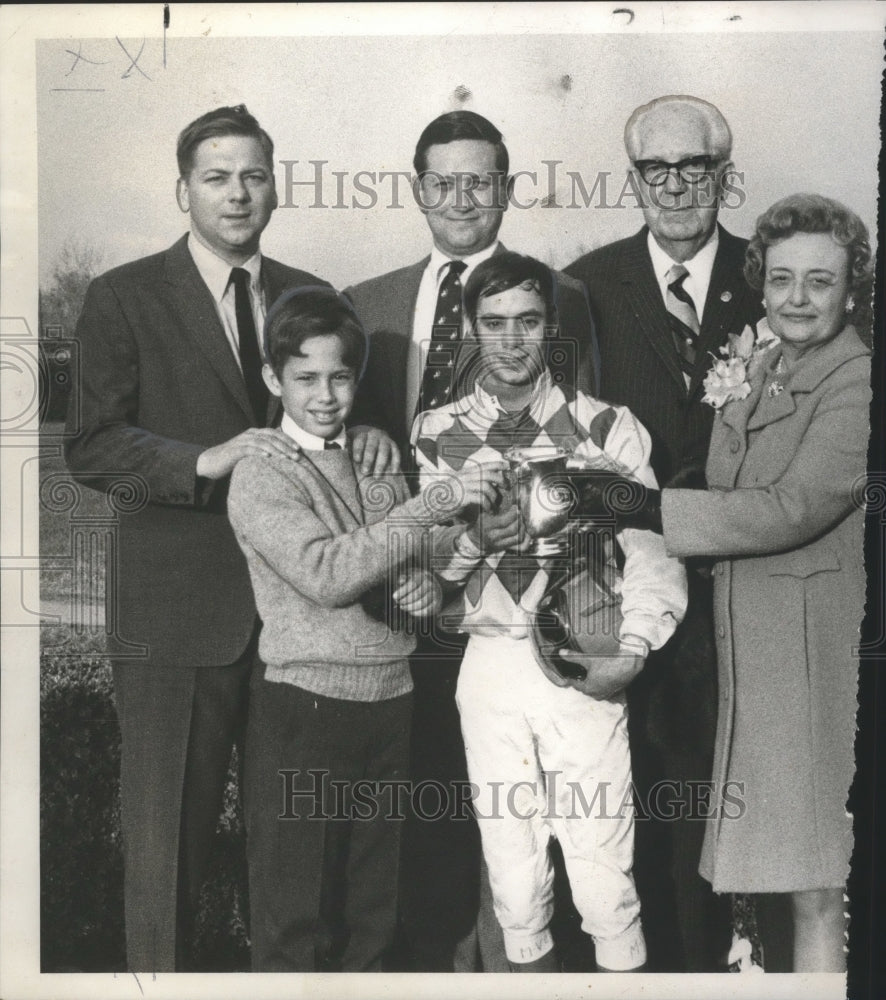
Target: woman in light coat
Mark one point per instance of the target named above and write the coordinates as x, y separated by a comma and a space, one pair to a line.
783, 516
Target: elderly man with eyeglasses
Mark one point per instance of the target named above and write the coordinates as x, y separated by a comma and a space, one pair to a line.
664, 300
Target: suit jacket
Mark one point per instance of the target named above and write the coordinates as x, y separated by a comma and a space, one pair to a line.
638, 361
788, 606
159, 385
386, 307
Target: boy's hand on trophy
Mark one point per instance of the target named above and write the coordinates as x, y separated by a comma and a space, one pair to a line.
499, 532
419, 593
476, 487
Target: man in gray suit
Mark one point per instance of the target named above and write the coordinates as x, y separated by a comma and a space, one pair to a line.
663, 301
413, 318
172, 394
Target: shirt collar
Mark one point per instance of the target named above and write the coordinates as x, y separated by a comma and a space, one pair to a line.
439, 260
489, 403
310, 442
217, 272
700, 265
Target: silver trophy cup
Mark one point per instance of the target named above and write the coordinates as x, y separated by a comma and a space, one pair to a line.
539, 485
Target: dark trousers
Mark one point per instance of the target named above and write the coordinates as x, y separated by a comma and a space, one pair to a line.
447, 921
322, 847
178, 726
672, 725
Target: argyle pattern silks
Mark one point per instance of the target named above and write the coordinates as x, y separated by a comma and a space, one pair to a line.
477, 429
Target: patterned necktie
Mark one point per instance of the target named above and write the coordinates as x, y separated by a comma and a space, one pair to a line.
683, 319
436, 382
250, 360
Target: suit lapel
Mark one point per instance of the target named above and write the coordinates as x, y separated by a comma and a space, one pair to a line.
405, 321
806, 378
722, 310
201, 322
392, 351
274, 283
644, 297
737, 415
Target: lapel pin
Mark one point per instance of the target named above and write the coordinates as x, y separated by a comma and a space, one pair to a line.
725, 296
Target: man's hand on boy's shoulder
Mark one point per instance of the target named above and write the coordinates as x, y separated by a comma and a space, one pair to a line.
219, 461
373, 450
419, 593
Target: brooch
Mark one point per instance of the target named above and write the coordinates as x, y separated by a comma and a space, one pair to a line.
775, 387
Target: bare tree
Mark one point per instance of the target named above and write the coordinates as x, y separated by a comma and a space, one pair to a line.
59, 306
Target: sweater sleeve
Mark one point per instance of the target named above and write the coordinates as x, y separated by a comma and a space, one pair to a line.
273, 517
815, 491
455, 556
653, 597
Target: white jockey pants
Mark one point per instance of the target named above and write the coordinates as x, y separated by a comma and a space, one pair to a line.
548, 760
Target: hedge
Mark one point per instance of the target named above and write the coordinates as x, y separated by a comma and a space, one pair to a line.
81, 863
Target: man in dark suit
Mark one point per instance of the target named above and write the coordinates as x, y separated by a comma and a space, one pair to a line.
463, 189
663, 301
413, 318
172, 395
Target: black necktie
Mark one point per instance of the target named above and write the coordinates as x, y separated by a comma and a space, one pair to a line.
683, 318
436, 382
331, 446
250, 360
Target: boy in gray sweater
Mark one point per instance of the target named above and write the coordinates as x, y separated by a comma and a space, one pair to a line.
329, 719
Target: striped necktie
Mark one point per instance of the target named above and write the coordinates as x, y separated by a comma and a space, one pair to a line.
683, 319
436, 382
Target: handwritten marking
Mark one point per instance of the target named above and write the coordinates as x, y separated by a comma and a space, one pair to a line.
133, 62
625, 10
79, 57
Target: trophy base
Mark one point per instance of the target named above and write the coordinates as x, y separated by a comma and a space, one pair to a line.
551, 545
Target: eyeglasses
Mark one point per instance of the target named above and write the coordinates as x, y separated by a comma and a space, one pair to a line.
691, 170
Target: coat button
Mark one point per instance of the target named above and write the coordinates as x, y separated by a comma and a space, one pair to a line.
735, 447
721, 631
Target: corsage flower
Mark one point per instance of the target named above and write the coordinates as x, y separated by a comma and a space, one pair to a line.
728, 379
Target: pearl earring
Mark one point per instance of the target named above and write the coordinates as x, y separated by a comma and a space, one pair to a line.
850, 304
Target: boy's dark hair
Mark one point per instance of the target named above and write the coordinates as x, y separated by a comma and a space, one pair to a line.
455, 125
214, 124
313, 311
507, 270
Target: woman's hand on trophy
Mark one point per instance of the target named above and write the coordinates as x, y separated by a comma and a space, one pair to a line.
607, 496
499, 532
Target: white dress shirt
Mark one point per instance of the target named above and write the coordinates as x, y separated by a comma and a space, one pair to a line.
310, 442
423, 319
699, 267
217, 275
